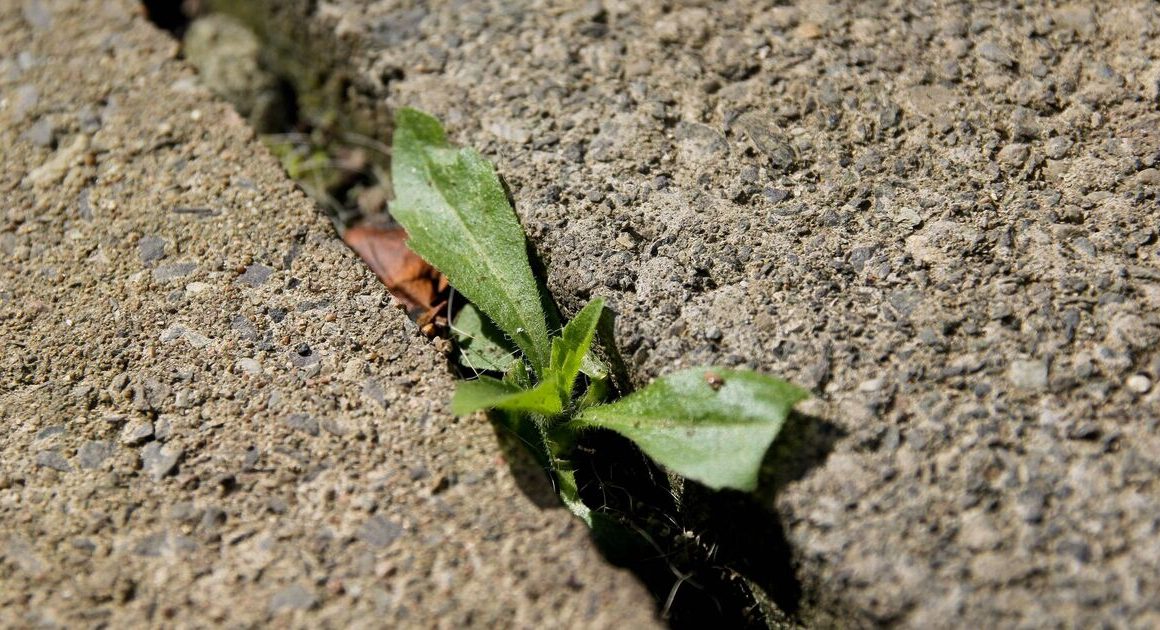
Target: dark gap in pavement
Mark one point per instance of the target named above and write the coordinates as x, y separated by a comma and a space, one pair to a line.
708, 557
723, 554
339, 159
169, 15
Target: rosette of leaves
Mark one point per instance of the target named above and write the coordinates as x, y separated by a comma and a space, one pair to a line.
709, 424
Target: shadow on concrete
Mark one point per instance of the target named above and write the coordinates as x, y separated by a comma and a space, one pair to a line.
708, 557
525, 461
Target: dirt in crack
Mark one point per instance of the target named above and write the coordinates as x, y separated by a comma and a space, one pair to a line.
707, 557
301, 118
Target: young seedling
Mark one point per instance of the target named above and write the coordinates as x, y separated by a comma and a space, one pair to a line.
709, 424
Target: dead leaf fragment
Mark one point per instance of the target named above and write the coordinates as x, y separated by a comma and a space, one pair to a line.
421, 289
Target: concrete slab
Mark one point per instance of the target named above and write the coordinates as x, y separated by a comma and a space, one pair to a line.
211, 413
940, 217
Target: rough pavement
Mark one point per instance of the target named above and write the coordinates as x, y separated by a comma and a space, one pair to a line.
941, 217
211, 414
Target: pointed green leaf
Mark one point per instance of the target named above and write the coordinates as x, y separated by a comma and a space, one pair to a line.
712, 425
481, 393
570, 348
489, 393
541, 399
458, 219
482, 346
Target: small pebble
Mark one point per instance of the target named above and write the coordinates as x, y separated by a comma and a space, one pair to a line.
255, 275
177, 331
250, 458
243, 326
293, 597
1030, 375
150, 248
26, 99
302, 422
379, 531
162, 543
303, 356
996, 54
1139, 383
53, 460
249, 366
136, 433
165, 273
775, 195
59, 164
1058, 147
42, 134
159, 461
1013, 154
38, 15
163, 428
93, 453
50, 431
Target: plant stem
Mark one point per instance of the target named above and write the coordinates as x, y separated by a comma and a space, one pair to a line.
569, 492
560, 443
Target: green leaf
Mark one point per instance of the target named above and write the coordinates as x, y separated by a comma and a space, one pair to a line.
597, 392
593, 367
712, 425
569, 491
518, 376
489, 393
458, 219
482, 346
570, 348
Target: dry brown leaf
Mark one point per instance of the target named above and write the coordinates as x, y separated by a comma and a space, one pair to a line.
420, 288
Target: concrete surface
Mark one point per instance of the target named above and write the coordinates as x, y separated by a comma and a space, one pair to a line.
211, 413
940, 216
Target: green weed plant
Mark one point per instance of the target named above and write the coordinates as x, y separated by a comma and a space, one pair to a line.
709, 424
